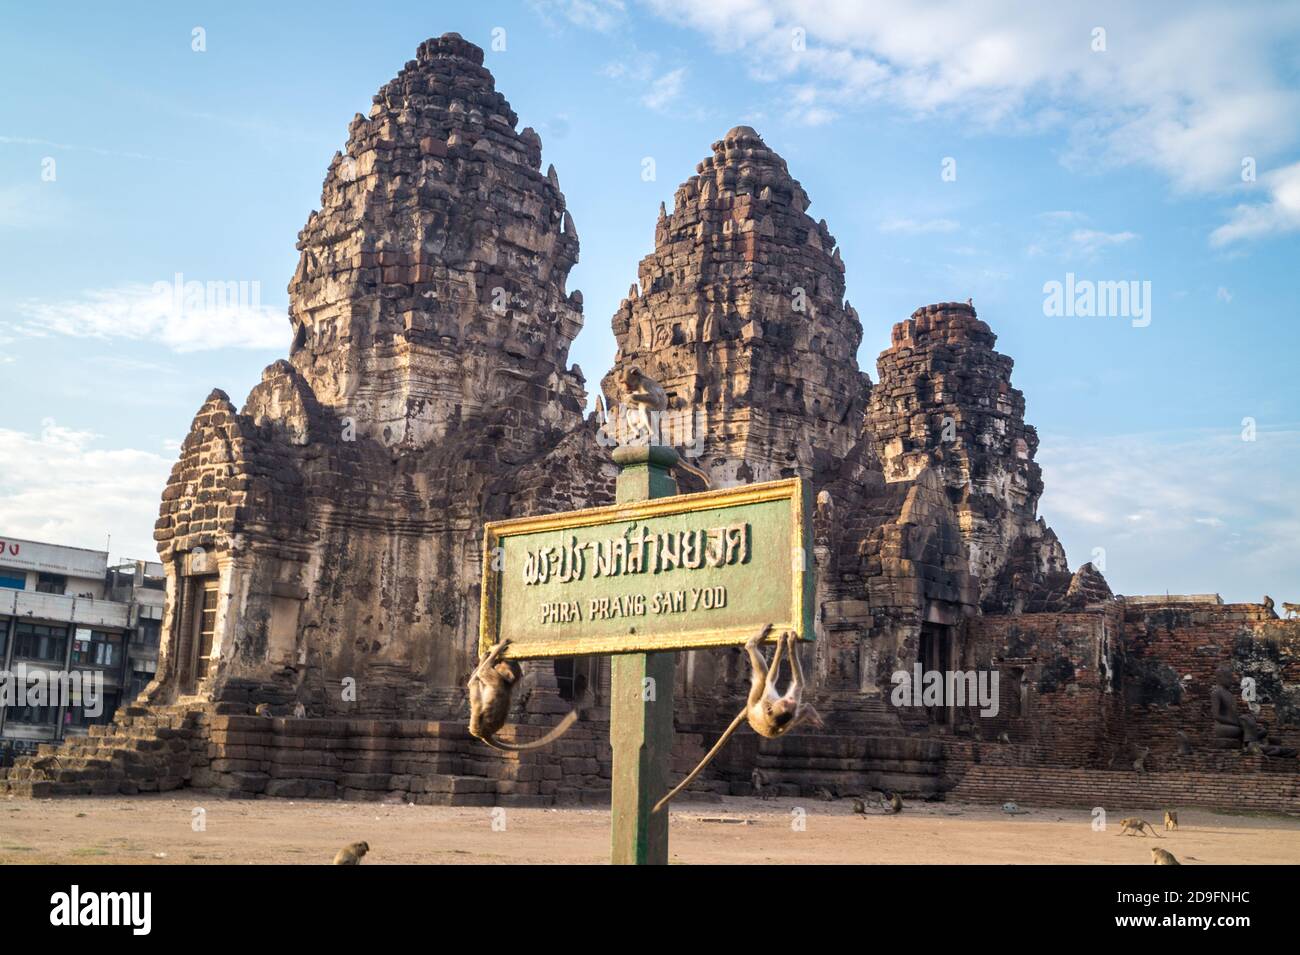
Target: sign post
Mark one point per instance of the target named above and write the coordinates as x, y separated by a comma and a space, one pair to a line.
641, 700
641, 579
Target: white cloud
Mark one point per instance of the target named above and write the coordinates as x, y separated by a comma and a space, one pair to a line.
665, 90
919, 227
1278, 214
34, 205
1185, 88
197, 317
57, 486
1091, 241
1223, 295
604, 16
1197, 512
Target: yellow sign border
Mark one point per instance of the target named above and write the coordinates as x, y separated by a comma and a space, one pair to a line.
796, 490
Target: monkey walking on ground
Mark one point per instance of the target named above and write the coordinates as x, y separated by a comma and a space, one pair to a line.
1171, 819
1184, 743
1133, 826
770, 714
1163, 857
351, 854
490, 686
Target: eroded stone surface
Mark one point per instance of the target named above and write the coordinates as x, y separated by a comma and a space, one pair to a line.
740, 313
340, 512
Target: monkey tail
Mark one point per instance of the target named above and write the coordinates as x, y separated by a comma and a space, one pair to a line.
696, 471
559, 730
708, 758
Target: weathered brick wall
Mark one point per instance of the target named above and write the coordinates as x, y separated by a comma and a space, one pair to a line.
1122, 791
1171, 654
1057, 702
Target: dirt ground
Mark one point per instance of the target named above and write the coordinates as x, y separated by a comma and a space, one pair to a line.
159, 830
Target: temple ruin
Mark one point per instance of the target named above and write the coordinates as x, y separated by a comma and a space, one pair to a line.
322, 544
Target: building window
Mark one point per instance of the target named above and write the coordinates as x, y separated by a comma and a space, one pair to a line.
150, 633
35, 641
32, 715
206, 624
13, 578
139, 680
51, 583
4, 638
75, 715
97, 648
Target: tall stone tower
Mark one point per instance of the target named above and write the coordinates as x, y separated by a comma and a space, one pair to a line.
431, 282
331, 529
944, 401
740, 314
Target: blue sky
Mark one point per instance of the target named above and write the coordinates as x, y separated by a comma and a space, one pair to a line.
1122, 163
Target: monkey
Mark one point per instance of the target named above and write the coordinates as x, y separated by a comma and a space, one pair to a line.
1162, 857
824, 794
895, 803
1004, 737
1140, 764
769, 713
1290, 610
1184, 743
263, 709
859, 805
772, 714
646, 398
1171, 819
1133, 826
1268, 606
489, 703
351, 854
299, 711
1253, 748
757, 782
825, 506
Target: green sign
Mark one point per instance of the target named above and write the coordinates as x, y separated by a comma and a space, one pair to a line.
696, 570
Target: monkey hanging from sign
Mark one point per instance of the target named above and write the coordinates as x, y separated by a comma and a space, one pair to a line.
490, 686
770, 713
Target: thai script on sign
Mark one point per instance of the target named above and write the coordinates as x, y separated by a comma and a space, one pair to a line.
638, 550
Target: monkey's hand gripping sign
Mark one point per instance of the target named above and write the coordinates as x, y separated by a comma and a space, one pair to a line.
673, 573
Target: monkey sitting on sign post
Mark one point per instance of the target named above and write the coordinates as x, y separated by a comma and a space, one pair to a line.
647, 401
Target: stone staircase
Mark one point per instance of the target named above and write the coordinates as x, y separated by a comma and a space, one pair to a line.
851, 765
870, 750
143, 750
158, 749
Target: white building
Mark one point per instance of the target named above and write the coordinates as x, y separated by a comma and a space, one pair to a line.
64, 609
